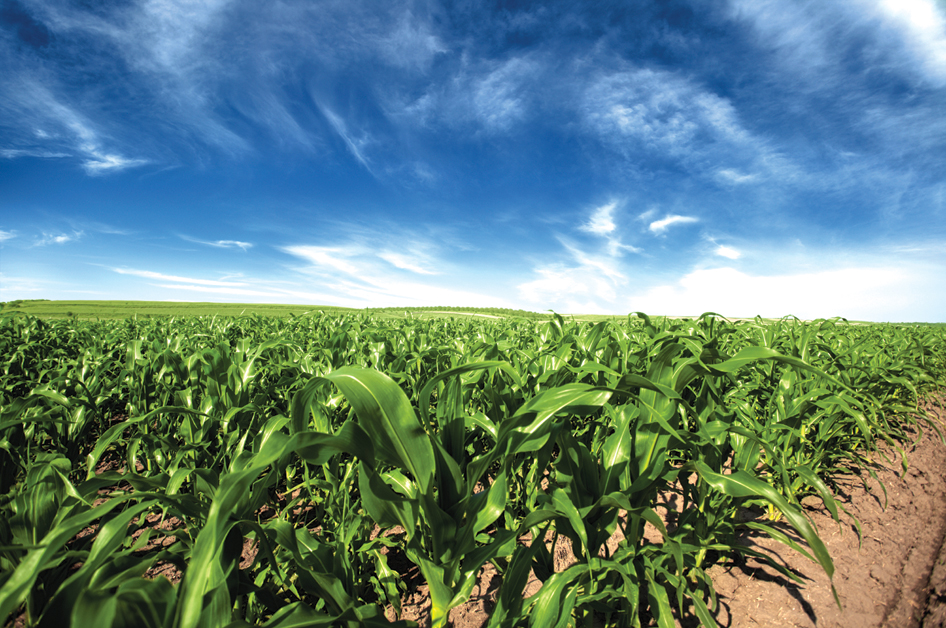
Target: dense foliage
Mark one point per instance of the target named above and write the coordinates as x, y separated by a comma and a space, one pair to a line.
338, 445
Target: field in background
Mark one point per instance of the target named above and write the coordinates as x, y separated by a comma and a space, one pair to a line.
92, 310
105, 310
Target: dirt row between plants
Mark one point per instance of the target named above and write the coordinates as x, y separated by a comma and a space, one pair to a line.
892, 576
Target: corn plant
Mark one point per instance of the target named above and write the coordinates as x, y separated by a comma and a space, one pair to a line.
327, 444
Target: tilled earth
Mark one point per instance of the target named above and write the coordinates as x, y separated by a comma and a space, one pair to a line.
894, 576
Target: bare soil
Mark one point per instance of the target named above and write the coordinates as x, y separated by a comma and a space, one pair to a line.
893, 577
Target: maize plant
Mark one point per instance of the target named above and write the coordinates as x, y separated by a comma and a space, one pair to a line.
210, 471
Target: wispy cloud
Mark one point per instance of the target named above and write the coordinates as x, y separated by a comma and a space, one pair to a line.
212, 289
58, 238
645, 114
660, 226
407, 262
815, 43
16, 287
6, 235
500, 97
374, 276
40, 108
336, 258
261, 290
100, 163
356, 144
13, 153
729, 175
148, 274
106, 228
606, 265
411, 43
583, 281
490, 96
221, 244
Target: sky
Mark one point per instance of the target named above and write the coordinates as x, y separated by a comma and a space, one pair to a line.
745, 157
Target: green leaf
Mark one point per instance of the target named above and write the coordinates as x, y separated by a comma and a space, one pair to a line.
384, 412
744, 484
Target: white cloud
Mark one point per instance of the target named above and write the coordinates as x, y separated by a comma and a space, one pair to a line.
602, 220
728, 252
381, 293
659, 226
147, 274
570, 289
923, 28
6, 235
645, 114
173, 47
812, 40
601, 223
606, 265
858, 293
586, 282
229, 244
173, 30
581, 284
796, 31
107, 229
647, 215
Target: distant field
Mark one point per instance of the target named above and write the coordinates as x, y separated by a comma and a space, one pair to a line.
126, 309
91, 310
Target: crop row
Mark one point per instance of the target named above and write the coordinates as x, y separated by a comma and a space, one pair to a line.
341, 447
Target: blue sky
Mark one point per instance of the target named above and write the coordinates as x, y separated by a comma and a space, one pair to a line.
740, 156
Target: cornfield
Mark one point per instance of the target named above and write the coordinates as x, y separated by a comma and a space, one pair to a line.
334, 444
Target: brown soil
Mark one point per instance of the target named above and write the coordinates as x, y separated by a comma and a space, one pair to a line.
893, 576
